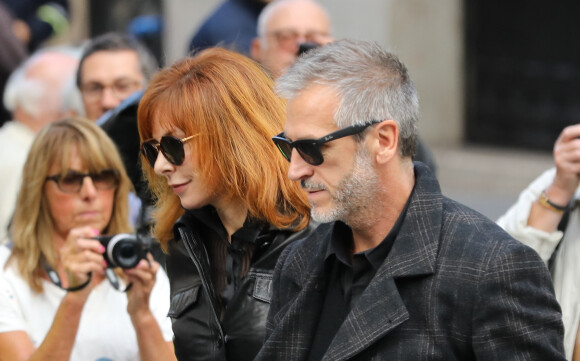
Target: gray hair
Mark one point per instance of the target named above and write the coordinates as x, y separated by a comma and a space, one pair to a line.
373, 85
269, 10
72, 99
26, 93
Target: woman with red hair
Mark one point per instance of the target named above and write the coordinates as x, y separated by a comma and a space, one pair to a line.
224, 208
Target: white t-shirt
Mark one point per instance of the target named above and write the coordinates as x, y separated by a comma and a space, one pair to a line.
105, 330
16, 139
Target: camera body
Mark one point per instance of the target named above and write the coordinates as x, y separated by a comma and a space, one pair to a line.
304, 47
123, 250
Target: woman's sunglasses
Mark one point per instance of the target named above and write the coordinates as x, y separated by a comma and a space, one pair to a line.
170, 146
309, 149
72, 181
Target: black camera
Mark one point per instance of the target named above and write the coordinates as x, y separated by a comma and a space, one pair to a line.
305, 47
123, 250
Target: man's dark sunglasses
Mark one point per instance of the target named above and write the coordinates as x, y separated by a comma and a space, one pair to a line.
170, 146
309, 149
72, 181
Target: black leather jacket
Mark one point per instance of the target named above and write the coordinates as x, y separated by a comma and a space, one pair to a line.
199, 334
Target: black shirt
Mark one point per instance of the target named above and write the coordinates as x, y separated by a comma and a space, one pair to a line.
229, 262
347, 278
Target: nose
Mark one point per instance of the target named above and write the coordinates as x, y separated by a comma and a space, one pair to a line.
109, 100
88, 189
299, 169
162, 166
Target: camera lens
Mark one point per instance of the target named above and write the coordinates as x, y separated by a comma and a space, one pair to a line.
125, 250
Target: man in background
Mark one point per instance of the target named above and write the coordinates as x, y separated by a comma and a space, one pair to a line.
282, 26
285, 25
35, 96
113, 66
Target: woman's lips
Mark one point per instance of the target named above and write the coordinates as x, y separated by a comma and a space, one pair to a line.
178, 188
89, 214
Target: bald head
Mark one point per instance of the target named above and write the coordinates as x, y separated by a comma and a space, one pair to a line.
282, 26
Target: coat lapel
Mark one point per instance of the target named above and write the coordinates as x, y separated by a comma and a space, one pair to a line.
297, 322
380, 308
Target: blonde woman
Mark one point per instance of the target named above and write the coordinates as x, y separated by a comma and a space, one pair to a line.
74, 188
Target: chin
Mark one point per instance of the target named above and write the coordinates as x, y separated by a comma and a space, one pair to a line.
191, 205
321, 215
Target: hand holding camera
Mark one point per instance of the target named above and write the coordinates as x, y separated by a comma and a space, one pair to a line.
82, 257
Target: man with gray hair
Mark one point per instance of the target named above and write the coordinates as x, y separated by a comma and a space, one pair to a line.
396, 270
35, 94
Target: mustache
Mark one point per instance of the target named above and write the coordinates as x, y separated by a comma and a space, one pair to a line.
311, 186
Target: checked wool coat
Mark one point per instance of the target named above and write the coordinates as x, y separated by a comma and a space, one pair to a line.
454, 286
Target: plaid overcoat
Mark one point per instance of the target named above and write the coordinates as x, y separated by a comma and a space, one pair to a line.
454, 286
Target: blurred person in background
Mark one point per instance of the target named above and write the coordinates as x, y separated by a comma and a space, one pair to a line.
285, 25
36, 21
224, 209
113, 66
232, 24
35, 95
282, 26
546, 217
12, 54
56, 300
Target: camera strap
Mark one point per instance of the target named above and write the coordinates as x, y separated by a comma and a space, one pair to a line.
55, 279
114, 280
109, 273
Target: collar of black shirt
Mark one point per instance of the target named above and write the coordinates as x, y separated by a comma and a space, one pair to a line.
249, 232
341, 243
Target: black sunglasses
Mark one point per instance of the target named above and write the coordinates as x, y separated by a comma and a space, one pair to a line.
72, 181
309, 149
170, 146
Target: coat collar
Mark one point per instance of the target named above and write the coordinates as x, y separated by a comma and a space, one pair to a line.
380, 308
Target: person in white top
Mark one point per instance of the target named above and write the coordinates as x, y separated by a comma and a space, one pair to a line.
534, 220
59, 297
34, 96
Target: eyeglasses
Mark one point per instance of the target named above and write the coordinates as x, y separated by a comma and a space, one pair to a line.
72, 181
121, 89
170, 146
288, 39
309, 149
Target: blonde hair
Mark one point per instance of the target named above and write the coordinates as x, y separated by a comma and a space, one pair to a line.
32, 228
229, 102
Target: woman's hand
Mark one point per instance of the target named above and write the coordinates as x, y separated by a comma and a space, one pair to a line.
143, 279
567, 159
152, 345
81, 255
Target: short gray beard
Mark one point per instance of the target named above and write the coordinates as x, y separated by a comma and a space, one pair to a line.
356, 196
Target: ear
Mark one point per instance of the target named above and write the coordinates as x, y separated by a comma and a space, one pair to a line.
256, 50
386, 141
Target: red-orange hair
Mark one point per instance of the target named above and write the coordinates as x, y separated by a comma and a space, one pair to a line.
229, 101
